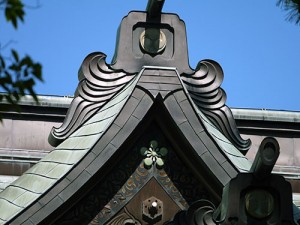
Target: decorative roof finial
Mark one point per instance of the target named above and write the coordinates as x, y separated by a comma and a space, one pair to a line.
154, 8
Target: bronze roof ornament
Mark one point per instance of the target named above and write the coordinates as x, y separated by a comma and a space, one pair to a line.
257, 197
149, 38
154, 7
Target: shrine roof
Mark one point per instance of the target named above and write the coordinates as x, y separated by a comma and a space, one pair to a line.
38, 179
67, 156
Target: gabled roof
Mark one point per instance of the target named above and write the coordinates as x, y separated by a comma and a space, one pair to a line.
113, 104
37, 180
50, 185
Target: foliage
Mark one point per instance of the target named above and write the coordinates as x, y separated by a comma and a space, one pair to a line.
18, 78
17, 75
293, 9
14, 11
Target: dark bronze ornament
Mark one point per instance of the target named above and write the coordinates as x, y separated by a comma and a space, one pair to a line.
158, 40
124, 218
204, 88
154, 7
153, 41
258, 197
255, 198
199, 213
98, 83
152, 210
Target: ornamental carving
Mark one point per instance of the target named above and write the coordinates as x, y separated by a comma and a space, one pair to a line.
204, 88
120, 186
152, 210
154, 155
98, 83
124, 218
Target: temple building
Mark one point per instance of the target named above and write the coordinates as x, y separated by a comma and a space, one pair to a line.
148, 140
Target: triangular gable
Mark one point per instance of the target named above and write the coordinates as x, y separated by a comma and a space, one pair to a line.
77, 163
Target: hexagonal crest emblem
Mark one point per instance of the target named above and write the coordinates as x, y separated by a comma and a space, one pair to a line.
152, 210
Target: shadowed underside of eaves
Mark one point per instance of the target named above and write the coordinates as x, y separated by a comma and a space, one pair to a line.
48, 188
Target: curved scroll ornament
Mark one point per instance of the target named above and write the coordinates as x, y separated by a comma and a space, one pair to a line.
204, 89
124, 218
98, 83
199, 213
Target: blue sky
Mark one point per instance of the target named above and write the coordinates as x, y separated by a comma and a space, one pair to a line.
258, 50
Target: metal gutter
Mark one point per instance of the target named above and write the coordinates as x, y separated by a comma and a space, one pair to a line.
238, 113
266, 115
46, 101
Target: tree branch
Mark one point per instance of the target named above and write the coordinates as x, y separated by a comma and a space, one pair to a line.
36, 6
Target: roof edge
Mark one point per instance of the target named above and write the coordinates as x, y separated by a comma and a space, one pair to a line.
59, 101
266, 115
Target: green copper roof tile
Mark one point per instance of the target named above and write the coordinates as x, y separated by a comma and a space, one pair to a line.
235, 156
85, 142
101, 120
98, 118
64, 156
239, 160
33, 183
91, 129
78, 143
6, 180
25, 198
43, 168
58, 171
96, 128
49, 169
11, 193
7, 209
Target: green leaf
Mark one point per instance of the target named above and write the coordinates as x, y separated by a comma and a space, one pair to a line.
14, 67
8, 77
37, 71
19, 76
26, 61
2, 62
15, 55
32, 93
29, 83
8, 14
26, 73
14, 11
4, 80
293, 10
